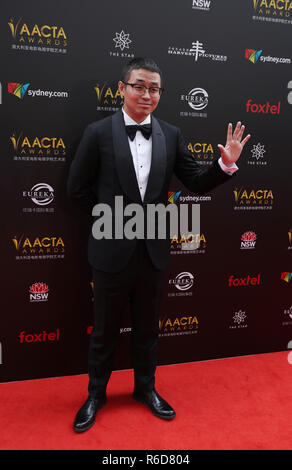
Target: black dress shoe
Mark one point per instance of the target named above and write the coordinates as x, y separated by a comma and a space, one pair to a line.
156, 404
86, 415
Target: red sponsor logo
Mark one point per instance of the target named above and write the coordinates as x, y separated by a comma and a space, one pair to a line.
38, 292
248, 240
42, 337
38, 287
266, 108
89, 329
244, 281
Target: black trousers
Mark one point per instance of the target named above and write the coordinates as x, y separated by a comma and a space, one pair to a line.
141, 285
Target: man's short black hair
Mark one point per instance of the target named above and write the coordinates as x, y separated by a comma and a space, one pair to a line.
140, 63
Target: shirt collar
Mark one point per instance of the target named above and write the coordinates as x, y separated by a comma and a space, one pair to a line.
130, 122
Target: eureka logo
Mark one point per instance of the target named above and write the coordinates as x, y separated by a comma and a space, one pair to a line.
18, 89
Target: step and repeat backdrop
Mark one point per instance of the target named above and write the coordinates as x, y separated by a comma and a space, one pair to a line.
222, 61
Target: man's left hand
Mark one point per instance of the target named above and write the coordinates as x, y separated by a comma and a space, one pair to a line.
234, 145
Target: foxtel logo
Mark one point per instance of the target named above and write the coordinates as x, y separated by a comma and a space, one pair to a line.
39, 337
244, 281
263, 108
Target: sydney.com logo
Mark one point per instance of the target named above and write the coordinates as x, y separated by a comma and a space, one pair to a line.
19, 90
253, 56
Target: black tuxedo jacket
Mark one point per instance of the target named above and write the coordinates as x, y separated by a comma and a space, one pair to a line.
103, 168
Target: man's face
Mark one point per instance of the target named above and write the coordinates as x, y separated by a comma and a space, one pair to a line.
139, 106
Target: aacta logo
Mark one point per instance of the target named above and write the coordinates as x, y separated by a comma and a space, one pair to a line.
42, 337
108, 96
179, 323
248, 240
290, 239
201, 150
18, 89
263, 108
244, 281
253, 197
38, 292
272, 7
197, 238
50, 35
38, 245
37, 145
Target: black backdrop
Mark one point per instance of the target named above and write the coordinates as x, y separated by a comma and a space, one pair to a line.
230, 297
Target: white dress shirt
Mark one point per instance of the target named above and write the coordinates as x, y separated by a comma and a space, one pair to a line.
141, 150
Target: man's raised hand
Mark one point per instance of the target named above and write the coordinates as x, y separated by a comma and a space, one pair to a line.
234, 145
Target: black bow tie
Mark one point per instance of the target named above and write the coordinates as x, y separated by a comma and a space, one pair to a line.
145, 129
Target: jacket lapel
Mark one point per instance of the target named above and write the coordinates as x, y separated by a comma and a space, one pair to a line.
158, 163
124, 159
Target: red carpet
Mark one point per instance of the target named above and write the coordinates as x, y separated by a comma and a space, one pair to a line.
234, 403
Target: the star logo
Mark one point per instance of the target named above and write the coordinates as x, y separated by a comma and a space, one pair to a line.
258, 151
122, 40
239, 317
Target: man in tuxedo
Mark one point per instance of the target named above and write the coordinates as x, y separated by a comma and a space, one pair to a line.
134, 155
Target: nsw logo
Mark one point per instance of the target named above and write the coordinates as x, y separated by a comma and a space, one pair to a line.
248, 240
38, 292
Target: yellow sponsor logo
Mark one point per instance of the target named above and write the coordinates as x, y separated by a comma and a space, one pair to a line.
201, 150
253, 197
108, 96
36, 34
176, 240
179, 323
276, 8
38, 245
25, 145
